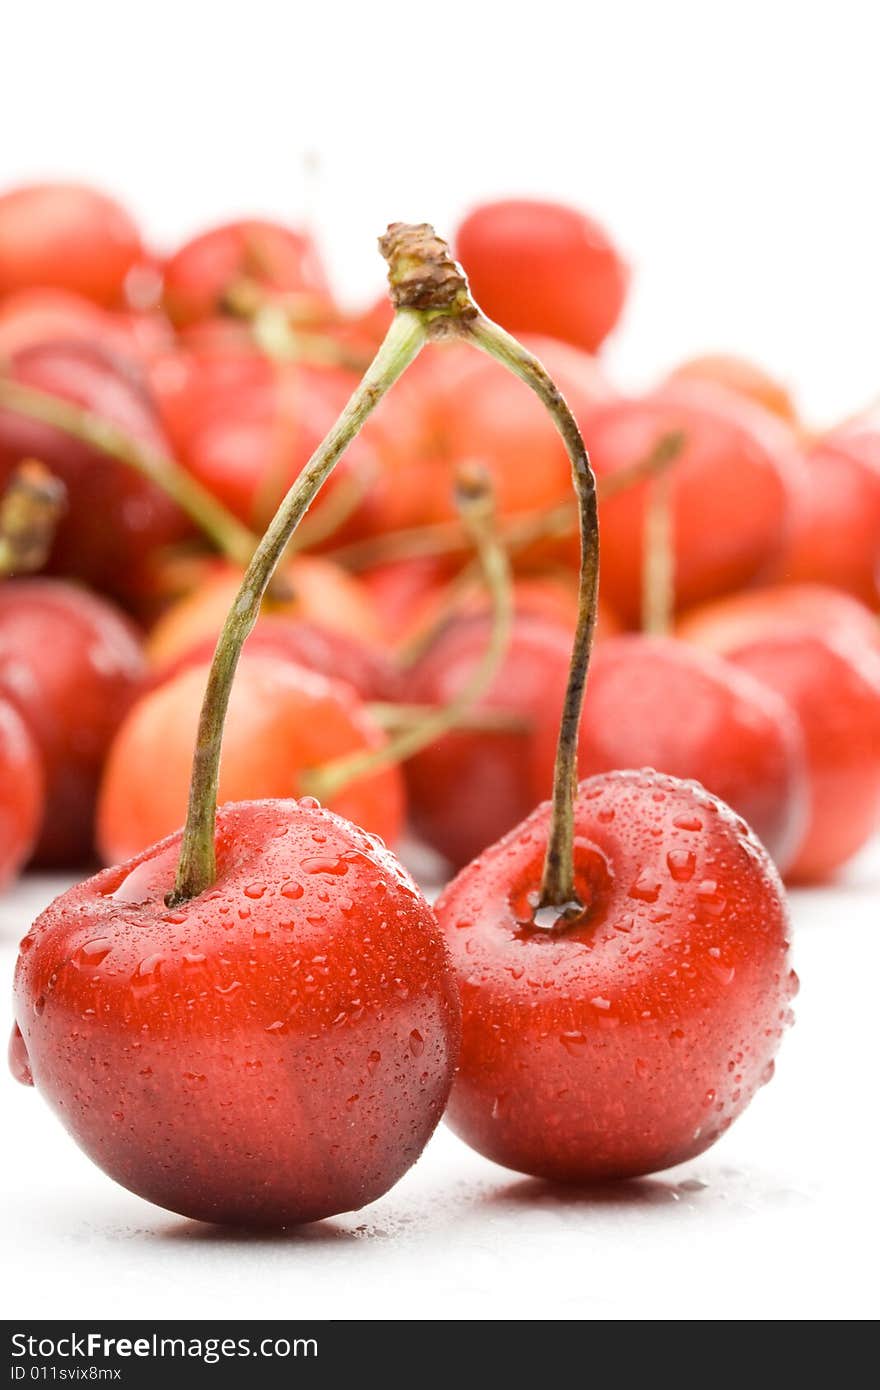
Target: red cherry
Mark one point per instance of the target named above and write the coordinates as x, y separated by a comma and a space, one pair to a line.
283, 721
276, 1050
834, 689
32, 317
277, 259
655, 702
21, 792
470, 787
742, 377
338, 655
540, 267
71, 663
406, 594
320, 591
477, 410
455, 407
68, 237
115, 518
737, 619
730, 490
836, 527
628, 1040
246, 426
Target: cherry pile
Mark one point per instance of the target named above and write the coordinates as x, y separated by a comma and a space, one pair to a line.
252, 1014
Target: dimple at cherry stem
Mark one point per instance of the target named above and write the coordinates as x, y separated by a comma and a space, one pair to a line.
432, 300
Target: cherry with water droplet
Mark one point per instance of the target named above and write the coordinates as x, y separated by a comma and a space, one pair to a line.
296, 1027
591, 1002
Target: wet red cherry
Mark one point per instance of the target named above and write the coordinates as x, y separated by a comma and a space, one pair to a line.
115, 518
471, 786
71, 663
277, 259
629, 1039
655, 702
21, 792
284, 721
66, 236
541, 267
836, 524
833, 686
731, 490
275, 1050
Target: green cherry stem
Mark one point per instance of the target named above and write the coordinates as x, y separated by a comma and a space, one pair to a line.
431, 299
476, 508
227, 533
197, 867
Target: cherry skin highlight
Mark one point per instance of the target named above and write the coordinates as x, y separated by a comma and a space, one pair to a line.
833, 687
471, 786
66, 236
71, 663
655, 702
31, 317
21, 792
283, 722
540, 267
276, 1050
628, 1040
737, 619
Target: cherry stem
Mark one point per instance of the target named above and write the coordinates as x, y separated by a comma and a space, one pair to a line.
658, 560
476, 508
30, 509
339, 508
231, 538
558, 888
431, 298
197, 867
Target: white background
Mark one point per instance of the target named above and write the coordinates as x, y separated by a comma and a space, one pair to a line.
779, 1220
733, 150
